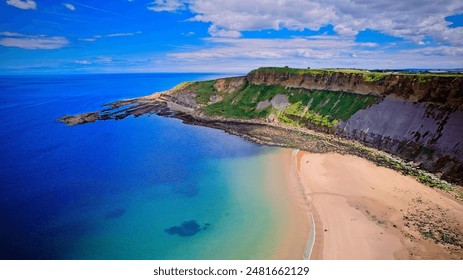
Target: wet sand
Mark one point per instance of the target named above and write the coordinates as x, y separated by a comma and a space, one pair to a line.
287, 195
363, 211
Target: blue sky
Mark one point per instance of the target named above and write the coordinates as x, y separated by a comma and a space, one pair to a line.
227, 36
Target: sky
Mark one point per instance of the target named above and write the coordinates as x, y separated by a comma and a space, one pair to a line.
119, 36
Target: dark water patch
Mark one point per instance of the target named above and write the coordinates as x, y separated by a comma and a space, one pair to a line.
188, 228
22, 243
114, 214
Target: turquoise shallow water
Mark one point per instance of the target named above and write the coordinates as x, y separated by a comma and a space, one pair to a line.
112, 190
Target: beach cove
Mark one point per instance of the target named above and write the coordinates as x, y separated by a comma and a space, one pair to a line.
363, 211
156, 188
140, 188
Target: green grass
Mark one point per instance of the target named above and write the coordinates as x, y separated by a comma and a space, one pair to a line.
182, 85
243, 104
335, 105
318, 107
203, 90
369, 76
324, 108
373, 77
287, 120
459, 193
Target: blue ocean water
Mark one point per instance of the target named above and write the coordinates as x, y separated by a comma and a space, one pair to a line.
145, 188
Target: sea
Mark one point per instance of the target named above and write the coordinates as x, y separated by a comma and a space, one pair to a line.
140, 188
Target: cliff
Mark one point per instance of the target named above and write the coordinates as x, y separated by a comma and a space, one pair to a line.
418, 117
442, 89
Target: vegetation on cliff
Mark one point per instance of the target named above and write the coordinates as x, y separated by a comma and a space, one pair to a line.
294, 99
368, 76
316, 107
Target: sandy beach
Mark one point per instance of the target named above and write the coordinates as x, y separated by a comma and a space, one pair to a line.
286, 194
363, 211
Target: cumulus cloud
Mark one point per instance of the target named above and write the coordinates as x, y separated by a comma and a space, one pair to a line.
32, 42
22, 4
166, 5
413, 20
69, 6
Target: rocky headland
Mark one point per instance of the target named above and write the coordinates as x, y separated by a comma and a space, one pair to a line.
411, 123
416, 118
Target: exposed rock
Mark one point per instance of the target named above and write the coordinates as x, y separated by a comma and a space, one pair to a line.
215, 98
441, 90
230, 85
79, 119
263, 104
280, 102
407, 121
428, 132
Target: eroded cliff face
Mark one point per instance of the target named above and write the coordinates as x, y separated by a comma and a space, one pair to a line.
419, 118
443, 90
230, 85
427, 135
416, 117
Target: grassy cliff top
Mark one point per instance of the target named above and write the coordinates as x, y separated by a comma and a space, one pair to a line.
375, 74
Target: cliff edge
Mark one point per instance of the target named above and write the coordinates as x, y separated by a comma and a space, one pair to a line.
417, 117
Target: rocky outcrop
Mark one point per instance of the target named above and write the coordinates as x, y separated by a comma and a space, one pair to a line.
419, 117
437, 89
416, 117
280, 102
230, 85
417, 132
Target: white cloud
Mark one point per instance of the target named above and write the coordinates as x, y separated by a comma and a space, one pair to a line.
96, 37
166, 6
104, 59
242, 55
83, 62
122, 34
69, 6
98, 60
32, 42
22, 4
368, 44
316, 47
219, 32
188, 34
440, 51
11, 34
413, 20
